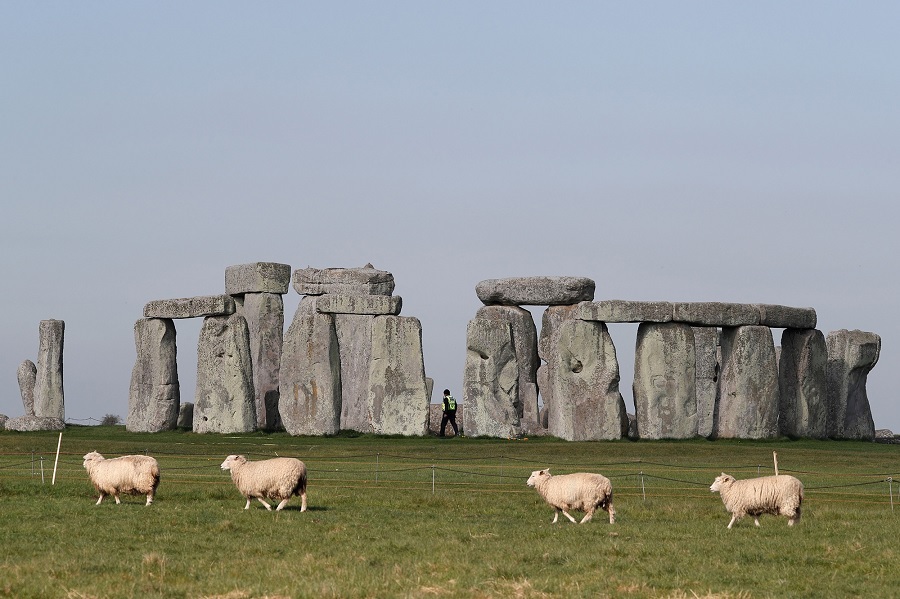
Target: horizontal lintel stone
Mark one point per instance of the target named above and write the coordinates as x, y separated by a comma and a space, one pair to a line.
535, 291
257, 277
624, 311
343, 281
190, 307
359, 304
786, 317
716, 314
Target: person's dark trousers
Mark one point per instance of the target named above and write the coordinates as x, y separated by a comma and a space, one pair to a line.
451, 418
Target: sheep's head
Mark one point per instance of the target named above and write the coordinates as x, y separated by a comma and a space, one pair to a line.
721, 480
91, 457
232, 460
538, 475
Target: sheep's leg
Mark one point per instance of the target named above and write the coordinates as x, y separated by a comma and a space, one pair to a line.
265, 503
102, 495
612, 513
733, 519
791, 521
149, 499
756, 520
555, 517
303, 501
281, 505
569, 516
116, 495
587, 516
247, 507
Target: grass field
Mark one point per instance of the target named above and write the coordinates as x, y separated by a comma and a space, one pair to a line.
399, 517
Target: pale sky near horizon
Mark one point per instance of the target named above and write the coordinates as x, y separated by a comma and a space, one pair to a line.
693, 151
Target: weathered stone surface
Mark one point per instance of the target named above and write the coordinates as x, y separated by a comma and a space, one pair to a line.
851, 356
310, 376
257, 277
716, 314
225, 401
491, 380
186, 416
535, 291
374, 305
49, 400
264, 313
748, 396
665, 398
625, 311
524, 336
706, 351
548, 342
190, 307
354, 337
344, 281
27, 377
584, 376
27, 424
786, 317
429, 387
154, 395
398, 399
803, 408
3, 419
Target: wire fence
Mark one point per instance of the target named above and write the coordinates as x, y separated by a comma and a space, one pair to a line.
394, 472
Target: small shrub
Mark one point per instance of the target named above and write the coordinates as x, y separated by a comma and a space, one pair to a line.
111, 420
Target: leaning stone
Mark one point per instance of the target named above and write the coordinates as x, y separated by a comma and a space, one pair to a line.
625, 311
584, 376
373, 305
851, 356
310, 376
26, 424
535, 291
715, 314
802, 409
257, 277
524, 336
186, 416
264, 313
346, 281
354, 339
706, 346
49, 401
490, 380
398, 398
190, 307
224, 401
27, 376
748, 396
665, 398
785, 317
154, 394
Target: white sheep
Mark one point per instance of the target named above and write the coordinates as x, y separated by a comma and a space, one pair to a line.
779, 495
276, 478
130, 474
581, 491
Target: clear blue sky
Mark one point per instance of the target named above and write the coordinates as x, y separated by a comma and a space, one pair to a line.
691, 151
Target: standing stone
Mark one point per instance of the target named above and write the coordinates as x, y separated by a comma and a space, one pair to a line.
706, 346
264, 313
398, 398
851, 355
524, 335
48, 387
748, 397
154, 394
535, 291
186, 416
548, 344
665, 398
27, 376
490, 380
803, 409
354, 338
584, 376
310, 376
224, 401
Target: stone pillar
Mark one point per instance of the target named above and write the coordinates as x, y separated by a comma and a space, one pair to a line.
748, 387
354, 338
225, 401
706, 347
802, 405
264, 313
27, 376
490, 380
584, 378
310, 376
665, 398
154, 394
49, 401
548, 342
398, 398
851, 356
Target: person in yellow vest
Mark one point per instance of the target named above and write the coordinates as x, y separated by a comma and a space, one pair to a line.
449, 413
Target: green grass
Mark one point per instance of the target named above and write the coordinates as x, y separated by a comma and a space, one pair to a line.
375, 528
